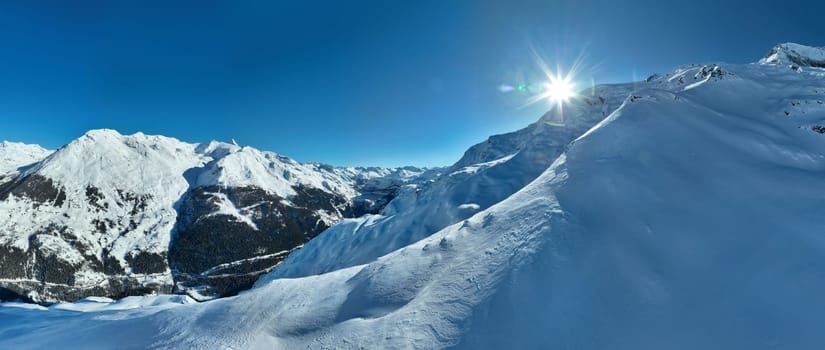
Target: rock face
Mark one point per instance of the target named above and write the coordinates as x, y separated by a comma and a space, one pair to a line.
113, 215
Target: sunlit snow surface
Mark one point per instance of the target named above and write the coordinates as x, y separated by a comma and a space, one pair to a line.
688, 219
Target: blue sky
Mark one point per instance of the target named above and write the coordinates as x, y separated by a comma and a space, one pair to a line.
346, 82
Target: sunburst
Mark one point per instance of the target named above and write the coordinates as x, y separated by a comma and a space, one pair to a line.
559, 87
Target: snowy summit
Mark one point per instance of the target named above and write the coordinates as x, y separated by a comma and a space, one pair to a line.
795, 54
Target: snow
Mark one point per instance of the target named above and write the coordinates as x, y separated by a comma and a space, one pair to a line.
488, 173
116, 166
279, 175
792, 53
14, 155
469, 206
122, 190
472, 169
97, 304
685, 219
225, 207
214, 269
275, 174
136, 164
22, 305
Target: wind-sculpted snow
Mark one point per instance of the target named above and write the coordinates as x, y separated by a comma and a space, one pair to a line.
688, 218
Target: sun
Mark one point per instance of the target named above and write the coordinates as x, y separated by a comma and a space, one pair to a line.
558, 89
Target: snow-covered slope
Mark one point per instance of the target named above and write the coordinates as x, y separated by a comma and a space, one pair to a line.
14, 155
690, 218
114, 215
487, 173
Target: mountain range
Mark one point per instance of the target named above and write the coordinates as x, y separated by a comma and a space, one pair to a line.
112, 215
682, 211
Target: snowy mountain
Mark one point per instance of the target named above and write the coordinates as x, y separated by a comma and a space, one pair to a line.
689, 217
114, 215
796, 56
487, 173
14, 155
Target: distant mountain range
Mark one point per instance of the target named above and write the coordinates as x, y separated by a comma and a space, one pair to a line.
113, 215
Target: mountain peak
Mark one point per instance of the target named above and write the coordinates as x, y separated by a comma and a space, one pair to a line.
111, 139
20, 145
106, 159
795, 54
216, 149
95, 134
16, 154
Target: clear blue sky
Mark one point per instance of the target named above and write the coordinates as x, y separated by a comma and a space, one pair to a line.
346, 82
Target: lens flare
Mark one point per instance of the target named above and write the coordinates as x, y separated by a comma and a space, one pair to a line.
558, 88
